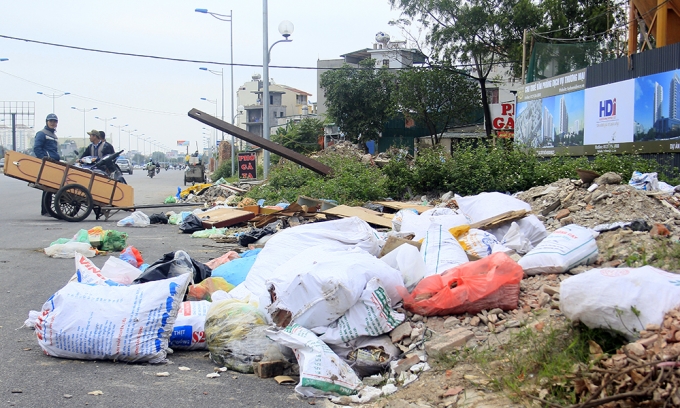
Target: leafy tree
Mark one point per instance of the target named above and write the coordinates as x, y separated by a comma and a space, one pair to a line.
301, 137
359, 99
476, 33
436, 98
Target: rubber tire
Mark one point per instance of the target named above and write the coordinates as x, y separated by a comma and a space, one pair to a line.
48, 202
73, 195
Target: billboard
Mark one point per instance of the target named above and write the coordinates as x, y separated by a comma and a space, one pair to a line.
503, 119
182, 143
641, 114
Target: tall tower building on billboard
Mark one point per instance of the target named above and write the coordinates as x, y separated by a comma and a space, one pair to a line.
674, 102
547, 126
564, 117
658, 100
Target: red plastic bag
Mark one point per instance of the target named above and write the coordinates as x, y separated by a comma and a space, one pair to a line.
491, 282
132, 256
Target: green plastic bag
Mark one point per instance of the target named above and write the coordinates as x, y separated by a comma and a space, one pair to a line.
175, 219
81, 236
170, 200
113, 240
207, 233
60, 241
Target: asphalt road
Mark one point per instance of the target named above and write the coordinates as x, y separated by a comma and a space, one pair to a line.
28, 278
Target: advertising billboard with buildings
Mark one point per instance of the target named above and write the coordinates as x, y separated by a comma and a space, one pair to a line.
560, 115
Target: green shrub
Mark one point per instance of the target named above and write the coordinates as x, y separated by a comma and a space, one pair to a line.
224, 170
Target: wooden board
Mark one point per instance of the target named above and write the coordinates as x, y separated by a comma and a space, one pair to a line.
500, 219
224, 217
370, 216
397, 205
56, 174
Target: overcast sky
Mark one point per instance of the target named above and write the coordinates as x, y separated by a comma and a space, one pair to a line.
153, 96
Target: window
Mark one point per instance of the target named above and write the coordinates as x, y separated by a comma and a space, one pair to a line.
492, 95
386, 63
281, 114
301, 99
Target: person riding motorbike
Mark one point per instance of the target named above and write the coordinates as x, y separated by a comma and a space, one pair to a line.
151, 168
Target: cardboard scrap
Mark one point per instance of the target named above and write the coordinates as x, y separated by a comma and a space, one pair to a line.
499, 220
225, 217
370, 216
393, 243
284, 379
397, 205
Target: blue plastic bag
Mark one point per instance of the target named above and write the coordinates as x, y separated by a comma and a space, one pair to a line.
236, 271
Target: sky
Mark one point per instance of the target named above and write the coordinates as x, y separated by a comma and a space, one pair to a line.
574, 101
152, 96
644, 97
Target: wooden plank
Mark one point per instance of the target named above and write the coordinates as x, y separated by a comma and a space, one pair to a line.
104, 191
370, 216
499, 220
397, 205
259, 141
224, 217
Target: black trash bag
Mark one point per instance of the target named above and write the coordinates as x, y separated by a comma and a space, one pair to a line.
159, 218
256, 233
175, 264
640, 225
191, 224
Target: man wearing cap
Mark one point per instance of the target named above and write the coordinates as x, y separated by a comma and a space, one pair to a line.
97, 147
46, 144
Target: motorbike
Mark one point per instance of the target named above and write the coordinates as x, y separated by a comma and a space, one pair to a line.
151, 170
158, 169
106, 166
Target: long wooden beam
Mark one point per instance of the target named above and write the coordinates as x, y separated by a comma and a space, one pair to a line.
259, 141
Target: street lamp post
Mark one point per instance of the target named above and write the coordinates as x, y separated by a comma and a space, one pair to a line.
53, 96
286, 29
228, 18
119, 139
106, 121
129, 132
84, 110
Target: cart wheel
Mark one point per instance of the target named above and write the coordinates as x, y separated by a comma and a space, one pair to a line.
48, 202
73, 203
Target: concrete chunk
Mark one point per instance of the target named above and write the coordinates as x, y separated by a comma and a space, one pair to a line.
449, 342
400, 332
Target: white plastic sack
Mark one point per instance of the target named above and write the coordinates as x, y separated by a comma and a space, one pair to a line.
530, 226
136, 219
644, 181
565, 248
438, 212
487, 205
89, 274
621, 299
347, 232
69, 249
372, 315
478, 243
322, 372
321, 283
441, 251
399, 216
189, 330
122, 323
450, 221
120, 271
415, 224
407, 260
516, 240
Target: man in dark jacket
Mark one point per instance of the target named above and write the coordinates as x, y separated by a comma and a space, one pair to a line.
108, 147
47, 145
98, 147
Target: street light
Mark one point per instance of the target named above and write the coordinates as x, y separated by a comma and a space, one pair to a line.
4, 59
228, 18
286, 29
84, 110
119, 139
129, 132
53, 96
106, 121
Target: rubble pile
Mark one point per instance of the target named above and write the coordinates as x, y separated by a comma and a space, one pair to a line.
642, 373
569, 201
343, 148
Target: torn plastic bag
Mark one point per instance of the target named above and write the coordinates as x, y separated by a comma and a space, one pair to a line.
367, 355
132, 256
191, 224
120, 271
287, 243
159, 218
532, 228
235, 333
174, 264
321, 283
136, 219
322, 372
491, 282
256, 233
229, 256
516, 240
372, 315
120, 323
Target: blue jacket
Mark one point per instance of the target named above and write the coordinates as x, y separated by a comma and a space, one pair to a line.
46, 144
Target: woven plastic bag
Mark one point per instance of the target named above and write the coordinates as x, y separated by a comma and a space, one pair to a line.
491, 282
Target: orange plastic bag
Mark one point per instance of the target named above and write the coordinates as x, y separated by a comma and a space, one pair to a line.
204, 290
491, 282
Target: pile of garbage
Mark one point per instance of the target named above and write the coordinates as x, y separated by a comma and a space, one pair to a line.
356, 311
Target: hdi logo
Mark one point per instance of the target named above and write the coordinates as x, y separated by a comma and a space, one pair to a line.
608, 108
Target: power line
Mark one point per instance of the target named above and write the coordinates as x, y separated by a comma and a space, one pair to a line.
582, 22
